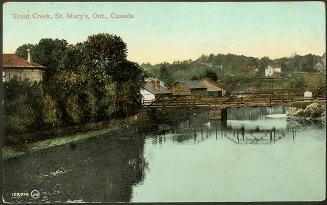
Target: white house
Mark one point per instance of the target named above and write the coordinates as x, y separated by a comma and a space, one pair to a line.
319, 67
153, 89
275, 69
307, 94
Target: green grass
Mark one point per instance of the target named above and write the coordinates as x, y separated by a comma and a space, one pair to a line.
13, 151
315, 80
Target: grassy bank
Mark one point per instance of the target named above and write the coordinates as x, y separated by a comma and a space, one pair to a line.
17, 150
18, 145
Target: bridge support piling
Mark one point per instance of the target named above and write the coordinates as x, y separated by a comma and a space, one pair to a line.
274, 130
238, 139
216, 131
243, 133
224, 116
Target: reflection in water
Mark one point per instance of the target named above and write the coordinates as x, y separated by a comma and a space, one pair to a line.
96, 170
206, 163
253, 113
190, 160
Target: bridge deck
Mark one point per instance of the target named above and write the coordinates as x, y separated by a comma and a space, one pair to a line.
232, 101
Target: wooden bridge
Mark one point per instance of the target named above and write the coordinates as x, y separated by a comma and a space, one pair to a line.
266, 92
238, 100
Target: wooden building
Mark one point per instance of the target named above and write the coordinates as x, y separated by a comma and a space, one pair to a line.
16, 66
192, 87
153, 89
214, 89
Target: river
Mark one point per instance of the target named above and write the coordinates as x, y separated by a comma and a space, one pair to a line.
263, 158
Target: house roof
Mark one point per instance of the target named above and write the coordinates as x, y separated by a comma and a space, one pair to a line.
14, 61
211, 85
276, 66
194, 84
147, 86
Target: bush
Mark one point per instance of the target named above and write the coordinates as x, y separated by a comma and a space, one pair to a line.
19, 115
22, 106
73, 109
51, 113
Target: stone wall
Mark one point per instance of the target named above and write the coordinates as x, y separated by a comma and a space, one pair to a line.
31, 74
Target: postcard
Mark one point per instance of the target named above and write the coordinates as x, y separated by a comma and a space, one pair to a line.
163, 102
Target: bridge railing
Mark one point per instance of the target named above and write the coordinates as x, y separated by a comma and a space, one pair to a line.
264, 98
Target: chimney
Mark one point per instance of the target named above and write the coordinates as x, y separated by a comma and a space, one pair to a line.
29, 60
152, 84
157, 85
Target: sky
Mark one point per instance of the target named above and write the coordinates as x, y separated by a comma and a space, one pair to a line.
166, 32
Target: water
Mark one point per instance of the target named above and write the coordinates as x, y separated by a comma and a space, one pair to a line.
191, 160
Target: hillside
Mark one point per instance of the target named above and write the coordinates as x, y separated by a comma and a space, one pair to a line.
228, 68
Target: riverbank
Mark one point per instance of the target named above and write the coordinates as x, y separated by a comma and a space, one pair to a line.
44, 140
313, 111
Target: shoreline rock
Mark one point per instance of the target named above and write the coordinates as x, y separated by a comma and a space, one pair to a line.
314, 111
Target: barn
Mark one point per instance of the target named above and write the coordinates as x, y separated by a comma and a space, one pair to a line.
192, 87
214, 89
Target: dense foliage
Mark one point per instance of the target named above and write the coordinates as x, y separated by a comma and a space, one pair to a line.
229, 69
85, 82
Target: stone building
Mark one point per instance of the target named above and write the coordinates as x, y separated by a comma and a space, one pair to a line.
16, 66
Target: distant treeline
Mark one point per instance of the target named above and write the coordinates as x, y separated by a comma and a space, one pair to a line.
229, 67
86, 82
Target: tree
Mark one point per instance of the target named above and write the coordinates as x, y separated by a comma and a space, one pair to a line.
88, 81
103, 47
105, 56
211, 75
129, 79
51, 112
263, 63
22, 105
165, 75
22, 50
52, 54
74, 57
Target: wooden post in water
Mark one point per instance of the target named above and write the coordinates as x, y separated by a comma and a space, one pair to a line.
223, 114
238, 139
274, 134
216, 132
294, 132
270, 136
243, 129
